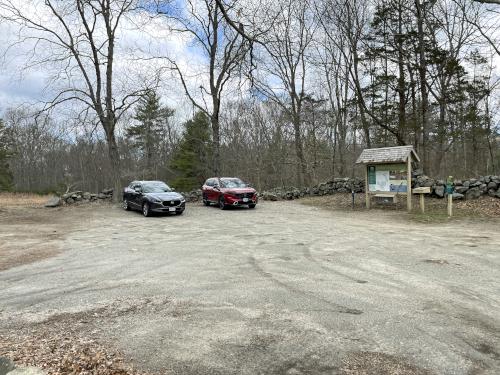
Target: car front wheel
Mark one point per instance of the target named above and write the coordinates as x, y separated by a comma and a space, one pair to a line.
251, 205
145, 209
125, 205
222, 204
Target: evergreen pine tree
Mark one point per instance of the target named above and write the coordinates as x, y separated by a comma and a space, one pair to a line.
148, 133
5, 173
191, 160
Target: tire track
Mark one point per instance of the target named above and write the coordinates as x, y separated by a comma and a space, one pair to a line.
334, 307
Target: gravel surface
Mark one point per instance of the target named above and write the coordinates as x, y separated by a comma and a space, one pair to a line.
282, 289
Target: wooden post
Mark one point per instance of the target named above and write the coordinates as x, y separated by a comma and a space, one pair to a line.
408, 181
422, 203
367, 189
450, 205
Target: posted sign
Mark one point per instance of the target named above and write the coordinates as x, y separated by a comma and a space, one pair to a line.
388, 178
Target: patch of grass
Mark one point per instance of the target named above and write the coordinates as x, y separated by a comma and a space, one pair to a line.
22, 199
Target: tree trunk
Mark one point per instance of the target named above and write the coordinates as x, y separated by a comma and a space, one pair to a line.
401, 78
422, 70
114, 161
214, 120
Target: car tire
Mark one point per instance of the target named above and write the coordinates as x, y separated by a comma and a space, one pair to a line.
146, 210
251, 205
179, 212
222, 204
125, 205
206, 203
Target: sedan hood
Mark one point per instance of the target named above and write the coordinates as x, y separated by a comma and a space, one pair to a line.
167, 196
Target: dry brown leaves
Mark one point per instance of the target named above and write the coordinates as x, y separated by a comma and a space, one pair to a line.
62, 354
484, 206
70, 343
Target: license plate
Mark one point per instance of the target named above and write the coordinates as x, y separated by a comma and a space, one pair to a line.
245, 199
171, 209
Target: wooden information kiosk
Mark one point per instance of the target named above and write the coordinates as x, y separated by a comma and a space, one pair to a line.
388, 173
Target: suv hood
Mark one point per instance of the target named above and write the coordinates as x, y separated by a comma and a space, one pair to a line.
166, 196
238, 190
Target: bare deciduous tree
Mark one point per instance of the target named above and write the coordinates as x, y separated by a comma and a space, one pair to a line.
80, 38
224, 50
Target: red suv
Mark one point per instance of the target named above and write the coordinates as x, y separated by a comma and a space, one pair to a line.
228, 191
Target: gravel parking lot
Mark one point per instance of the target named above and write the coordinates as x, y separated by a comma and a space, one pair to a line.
282, 289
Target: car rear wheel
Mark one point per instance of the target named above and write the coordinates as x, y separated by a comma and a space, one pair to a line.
125, 205
251, 205
205, 202
145, 209
222, 204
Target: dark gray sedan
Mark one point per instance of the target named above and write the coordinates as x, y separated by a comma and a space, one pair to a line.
152, 196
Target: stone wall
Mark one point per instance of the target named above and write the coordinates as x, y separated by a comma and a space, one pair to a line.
463, 189
471, 188
80, 197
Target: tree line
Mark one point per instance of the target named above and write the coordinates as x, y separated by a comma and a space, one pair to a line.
290, 92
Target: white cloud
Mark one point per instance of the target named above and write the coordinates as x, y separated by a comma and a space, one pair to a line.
21, 82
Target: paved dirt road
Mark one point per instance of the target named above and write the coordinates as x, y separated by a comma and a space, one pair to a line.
282, 289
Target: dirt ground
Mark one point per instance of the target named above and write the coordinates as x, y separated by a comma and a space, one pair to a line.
287, 288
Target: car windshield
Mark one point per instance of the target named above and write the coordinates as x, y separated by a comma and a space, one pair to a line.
155, 187
232, 183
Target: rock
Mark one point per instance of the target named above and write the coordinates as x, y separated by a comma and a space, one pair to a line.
6, 365
497, 194
466, 184
483, 188
457, 196
267, 196
473, 193
417, 172
439, 191
53, 202
461, 189
492, 193
70, 201
440, 182
493, 185
458, 183
102, 196
107, 192
86, 196
429, 182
